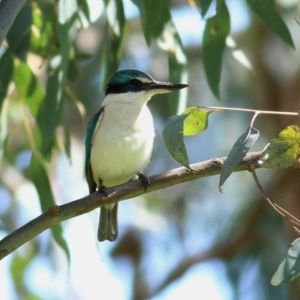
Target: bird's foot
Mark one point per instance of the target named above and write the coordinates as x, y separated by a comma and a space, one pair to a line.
144, 179
102, 189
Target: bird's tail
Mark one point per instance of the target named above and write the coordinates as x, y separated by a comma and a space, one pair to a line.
108, 223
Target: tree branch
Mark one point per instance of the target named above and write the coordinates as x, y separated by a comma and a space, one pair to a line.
58, 214
8, 12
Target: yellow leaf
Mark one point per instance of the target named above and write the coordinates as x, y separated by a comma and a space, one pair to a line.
284, 151
196, 121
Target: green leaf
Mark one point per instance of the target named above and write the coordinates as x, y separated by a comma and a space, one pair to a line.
267, 11
110, 55
28, 86
18, 36
237, 153
204, 6
43, 40
284, 151
153, 25
196, 121
173, 138
19, 264
38, 175
91, 9
66, 34
170, 42
111, 51
115, 16
66, 128
6, 73
216, 30
289, 268
83, 5
49, 113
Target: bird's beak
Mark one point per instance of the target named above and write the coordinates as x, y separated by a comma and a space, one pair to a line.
160, 87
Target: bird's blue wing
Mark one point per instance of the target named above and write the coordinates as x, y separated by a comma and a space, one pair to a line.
88, 148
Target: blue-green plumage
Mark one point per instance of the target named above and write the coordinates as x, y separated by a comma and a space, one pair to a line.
89, 135
119, 137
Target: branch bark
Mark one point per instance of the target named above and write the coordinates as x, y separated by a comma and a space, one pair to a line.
58, 214
8, 12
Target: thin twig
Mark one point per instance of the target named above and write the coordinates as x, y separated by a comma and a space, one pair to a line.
294, 222
257, 112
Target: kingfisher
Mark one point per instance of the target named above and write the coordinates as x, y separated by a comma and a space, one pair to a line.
119, 138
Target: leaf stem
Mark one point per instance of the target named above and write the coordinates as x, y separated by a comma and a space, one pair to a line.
256, 112
252, 120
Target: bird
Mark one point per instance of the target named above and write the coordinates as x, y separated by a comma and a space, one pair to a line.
119, 138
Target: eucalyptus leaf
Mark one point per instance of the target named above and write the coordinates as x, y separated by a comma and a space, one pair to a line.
216, 31
49, 114
237, 153
153, 25
173, 138
18, 36
6, 73
284, 151
267, 11
111, 51
204, 6
38, 174
196, 121
289, 268
116, 16
28, 86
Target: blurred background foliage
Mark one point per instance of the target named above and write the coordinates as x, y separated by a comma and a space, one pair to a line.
185, 240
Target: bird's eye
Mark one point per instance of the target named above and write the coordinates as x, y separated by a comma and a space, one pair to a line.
135, 82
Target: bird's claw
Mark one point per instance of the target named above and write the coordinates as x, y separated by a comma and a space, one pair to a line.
144, 179
102, 189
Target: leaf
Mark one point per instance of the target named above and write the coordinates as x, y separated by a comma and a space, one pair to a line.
237, 153
173, 138
196, 121
216, 30
28, 86
83, 5
204, 6
91, 9
18, 36
66, 128
111, 51
38, 175
284, 151
66, 34
289, 268
153, 25
49, 114
43, 40
267, 11
6, 73
19, 264
115, 16
170, 42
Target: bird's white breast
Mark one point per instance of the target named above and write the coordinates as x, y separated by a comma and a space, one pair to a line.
122, 143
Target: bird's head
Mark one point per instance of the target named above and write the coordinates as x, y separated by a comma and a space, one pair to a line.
133, 85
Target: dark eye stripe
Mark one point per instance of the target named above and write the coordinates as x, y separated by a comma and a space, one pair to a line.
122, 88
135, 83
